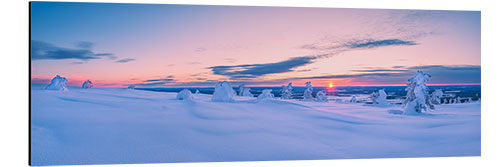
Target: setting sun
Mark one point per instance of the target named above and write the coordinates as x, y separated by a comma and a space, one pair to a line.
330, 85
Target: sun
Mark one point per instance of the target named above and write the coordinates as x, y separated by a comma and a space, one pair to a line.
330, 85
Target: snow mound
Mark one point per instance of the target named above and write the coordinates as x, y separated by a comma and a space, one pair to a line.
184, 94
87, 84
224, 92
266, 94
58, 83
321, 96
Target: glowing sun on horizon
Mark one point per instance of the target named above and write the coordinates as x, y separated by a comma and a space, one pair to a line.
330, 85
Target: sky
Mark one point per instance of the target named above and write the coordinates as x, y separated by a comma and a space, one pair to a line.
160, 45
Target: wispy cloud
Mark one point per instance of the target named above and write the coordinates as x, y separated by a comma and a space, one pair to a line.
124, 60
249, 71
42, 50
358, 44
458, 74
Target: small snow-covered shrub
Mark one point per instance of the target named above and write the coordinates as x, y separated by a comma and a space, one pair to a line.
353, 99
223, 92
379, 97
266, 94
436, 96
87, 84
417, 97
184, 94
321, 96
246, 92
308, 92
241, 89
58, 83
286, 91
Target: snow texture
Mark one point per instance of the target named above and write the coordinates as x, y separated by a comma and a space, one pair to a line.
58, 83
224, 92
87, 84
116, 126
184, 94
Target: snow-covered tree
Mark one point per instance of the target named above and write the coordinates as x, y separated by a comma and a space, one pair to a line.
417, 97
379, 97
87, 84
246, 92
308, 92
436, 96
353, 99
459, 99
470, 100
266, 94
58, 83
197, 91
184, 94
241, 88
223, 92
445, 101
286, 91
321, 96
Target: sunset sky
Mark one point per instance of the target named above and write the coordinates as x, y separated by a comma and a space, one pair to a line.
116, 45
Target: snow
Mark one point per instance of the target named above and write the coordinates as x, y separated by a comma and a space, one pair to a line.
417, 97
224, 92
353, 99
184, 94
113, 126
308, 92
321, 96
266, 94
87, 84
246, 92
58, 83
286, 91
380, 97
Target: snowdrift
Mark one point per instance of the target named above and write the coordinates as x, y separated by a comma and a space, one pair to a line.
110, 126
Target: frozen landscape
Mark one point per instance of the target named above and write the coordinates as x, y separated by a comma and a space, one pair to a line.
118, 125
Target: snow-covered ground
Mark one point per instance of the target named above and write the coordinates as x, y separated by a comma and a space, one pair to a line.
111, 126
